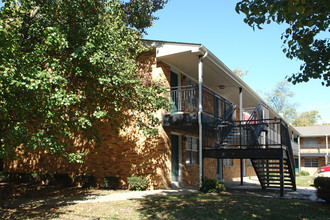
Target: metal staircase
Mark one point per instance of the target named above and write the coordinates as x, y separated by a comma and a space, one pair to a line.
269, 173
265, 142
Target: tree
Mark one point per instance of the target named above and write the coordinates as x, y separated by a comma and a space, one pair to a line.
68, 66
308, 118
240, 73
307, 20
279, 99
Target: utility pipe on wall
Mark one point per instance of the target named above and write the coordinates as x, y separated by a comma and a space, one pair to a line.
200, 110
327, 149
242, 161
299, 157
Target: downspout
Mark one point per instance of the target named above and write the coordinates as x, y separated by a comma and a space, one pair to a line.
327, 149
241, 118
200, 110
299, 157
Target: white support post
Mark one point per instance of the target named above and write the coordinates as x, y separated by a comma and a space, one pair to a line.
240, 104
200, 110
240, 92
327, 149
299, 158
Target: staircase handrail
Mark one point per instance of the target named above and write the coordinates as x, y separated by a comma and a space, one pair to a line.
260, 126
288, 149
224, 121
256, 109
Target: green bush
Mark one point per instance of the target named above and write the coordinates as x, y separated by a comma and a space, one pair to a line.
304, 173
212, 185
2, 176
110, 182
137, 183
85, 181
62, 180
322, 185
18, 177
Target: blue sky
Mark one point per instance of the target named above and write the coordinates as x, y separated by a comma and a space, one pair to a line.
215, 24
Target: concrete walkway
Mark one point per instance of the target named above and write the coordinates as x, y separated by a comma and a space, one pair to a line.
137, 195
252, 186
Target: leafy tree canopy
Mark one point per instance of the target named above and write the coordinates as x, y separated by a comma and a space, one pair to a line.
68, 65
308, 118
240, 73
280, 100
307, 20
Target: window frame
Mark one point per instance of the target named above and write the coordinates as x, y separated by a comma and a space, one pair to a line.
311, 162
227, 163
192, 150
310, 142
249, 162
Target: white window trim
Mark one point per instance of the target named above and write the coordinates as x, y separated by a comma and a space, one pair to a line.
192, 164
225, 162
311, 163
309, 145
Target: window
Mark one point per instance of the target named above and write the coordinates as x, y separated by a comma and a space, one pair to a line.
192, 156
228, 162
311, 162
310, 142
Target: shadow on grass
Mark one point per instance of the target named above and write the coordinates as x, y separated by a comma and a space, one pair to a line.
25, 201
221, 206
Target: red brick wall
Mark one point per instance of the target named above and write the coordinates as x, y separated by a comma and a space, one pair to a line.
123, 153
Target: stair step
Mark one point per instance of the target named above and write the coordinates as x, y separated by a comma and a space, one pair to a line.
278, 187
276, 180
271, 170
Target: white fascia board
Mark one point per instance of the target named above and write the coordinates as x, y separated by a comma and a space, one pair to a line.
313, 135
170, 48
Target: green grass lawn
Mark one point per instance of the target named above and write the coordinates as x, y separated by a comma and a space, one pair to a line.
193, 206
201, 206
305, 181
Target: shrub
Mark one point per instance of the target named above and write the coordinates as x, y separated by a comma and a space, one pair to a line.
110, 182
18, 177
137, 183
63, 180
322, 185
2, 176
212, 185
304, 173
85, 181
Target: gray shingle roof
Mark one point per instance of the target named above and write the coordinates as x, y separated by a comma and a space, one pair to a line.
321, 130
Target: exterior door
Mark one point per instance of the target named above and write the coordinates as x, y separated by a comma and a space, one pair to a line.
175, 93
175, 157
219, 169
296, 163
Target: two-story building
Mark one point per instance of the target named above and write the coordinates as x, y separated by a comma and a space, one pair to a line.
314, 147
218, 127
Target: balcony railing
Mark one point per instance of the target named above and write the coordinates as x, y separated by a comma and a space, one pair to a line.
247, 136
185, 99
316, 146
295, 146
321, 149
